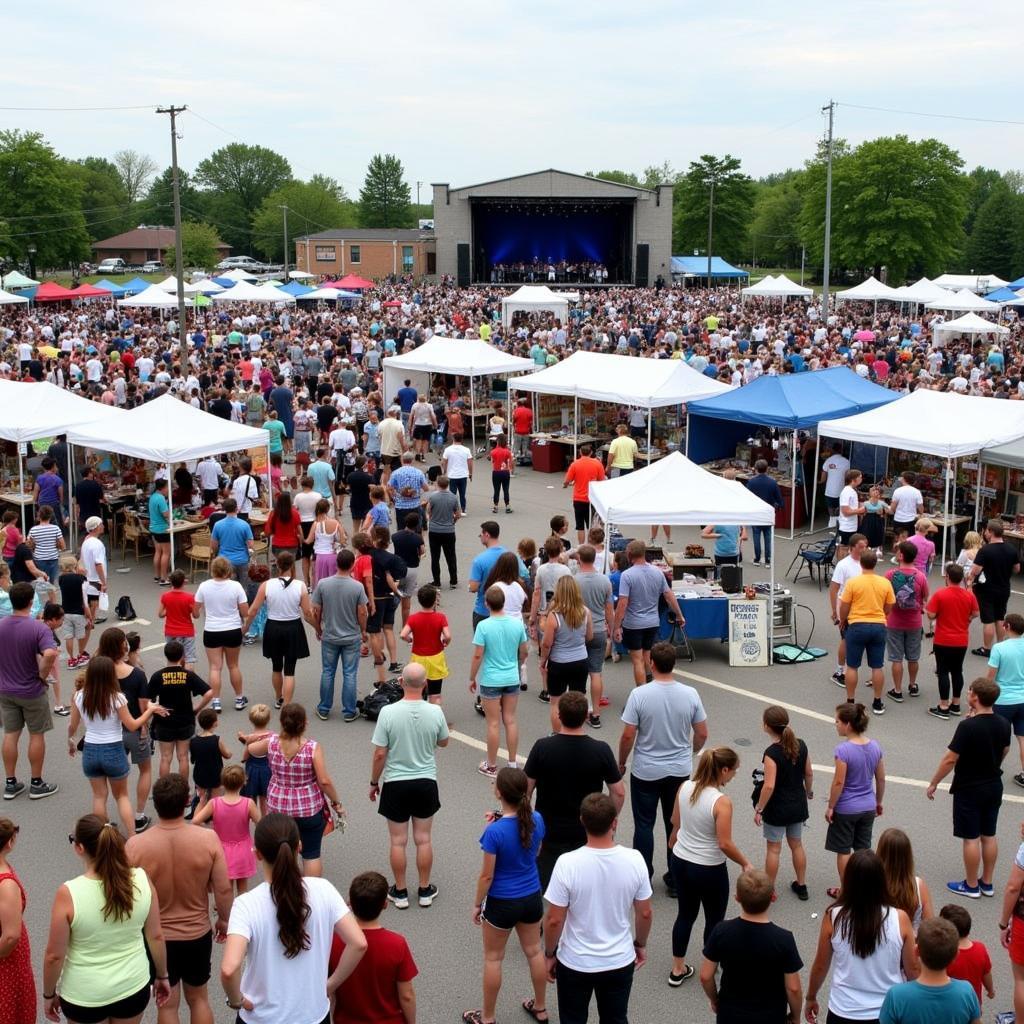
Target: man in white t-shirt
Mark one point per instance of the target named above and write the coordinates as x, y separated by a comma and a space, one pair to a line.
94, 559
850, 511
833, 476
208, 472
907, 505
846, 568
457, 465
589, 947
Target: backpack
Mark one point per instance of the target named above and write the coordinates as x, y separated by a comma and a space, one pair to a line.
903, 585
387, 693
124, 609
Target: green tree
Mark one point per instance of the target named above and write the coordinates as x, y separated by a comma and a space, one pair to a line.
314, 205
622, 177
660, 174
198, 246
981, 181
105, 204
774, 228
158, 205
40, 199
994, 244
385, 199
733, 207
135, 170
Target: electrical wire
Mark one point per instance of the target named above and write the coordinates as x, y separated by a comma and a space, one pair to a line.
79, 110
923, 113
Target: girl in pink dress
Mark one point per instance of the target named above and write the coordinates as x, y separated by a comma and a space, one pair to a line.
231, 814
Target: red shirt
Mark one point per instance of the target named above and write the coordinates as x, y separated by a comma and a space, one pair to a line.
501, 460
282, 534
178, 605
953, 608
426, 632
581, 473
362, 568
971, 964
522, 419
370, 993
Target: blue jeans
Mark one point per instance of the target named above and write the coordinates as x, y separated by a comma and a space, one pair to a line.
330, 653
762, 533
50, 566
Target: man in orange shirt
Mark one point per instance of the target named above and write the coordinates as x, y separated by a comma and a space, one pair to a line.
581, 473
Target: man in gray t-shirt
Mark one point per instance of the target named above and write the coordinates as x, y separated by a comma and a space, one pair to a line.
339, 611
664, 725
443, 512
596, 590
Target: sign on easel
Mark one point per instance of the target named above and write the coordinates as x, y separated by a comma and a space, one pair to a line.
748, 633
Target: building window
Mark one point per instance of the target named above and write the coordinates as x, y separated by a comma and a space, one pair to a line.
354, 254
407, 259
326, 254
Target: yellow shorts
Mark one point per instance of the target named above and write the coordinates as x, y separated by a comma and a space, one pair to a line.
436, 665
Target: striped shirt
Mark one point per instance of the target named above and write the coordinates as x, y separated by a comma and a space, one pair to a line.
45, 537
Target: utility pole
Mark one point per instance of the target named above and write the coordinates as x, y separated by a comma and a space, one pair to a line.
831, 108
285, 209
418, 186
179, 259
711, 221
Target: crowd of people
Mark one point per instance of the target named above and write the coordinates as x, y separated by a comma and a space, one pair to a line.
137, 925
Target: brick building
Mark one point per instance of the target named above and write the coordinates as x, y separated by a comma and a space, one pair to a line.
142, 244
368, 252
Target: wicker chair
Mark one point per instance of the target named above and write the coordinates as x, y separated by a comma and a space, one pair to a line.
199, 552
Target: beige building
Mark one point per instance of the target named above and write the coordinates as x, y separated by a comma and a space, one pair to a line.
367, 252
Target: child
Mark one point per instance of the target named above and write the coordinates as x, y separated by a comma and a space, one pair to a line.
178, 609
429, 633
972, 541
933, 996
53, 617
873, 523
231, 814
174, 687
11, 536
972, 963
620, 563
77, 611
207, 754
379, 514
257, 769
925, 547
362, 572
134, 651
258, 573
595, 538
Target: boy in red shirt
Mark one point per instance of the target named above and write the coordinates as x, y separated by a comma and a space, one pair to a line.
178, 609
972, 963
379, 990
428, 630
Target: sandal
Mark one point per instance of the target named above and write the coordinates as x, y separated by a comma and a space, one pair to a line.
475, 1017
533, 1011
832, 892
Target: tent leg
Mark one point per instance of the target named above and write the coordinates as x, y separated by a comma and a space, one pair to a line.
270, 499
814, 485
650, 418
21, 486
472, 414
687, 446
575, 425
170, 511
977, 490
945, 511
69, 491
792, 499
771, 605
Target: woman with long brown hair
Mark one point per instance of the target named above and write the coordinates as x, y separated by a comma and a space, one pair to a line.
283, 526
563, 647
103, 708
700, 841
282, 933
101, 925
906, 890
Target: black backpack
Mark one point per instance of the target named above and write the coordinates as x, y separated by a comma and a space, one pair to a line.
387, 693
124, 609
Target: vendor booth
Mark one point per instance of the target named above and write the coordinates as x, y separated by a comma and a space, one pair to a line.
940, 424
963, 301
459, 357
677, 492
534, 298
971, 324
626, 382
780, 287
721, 428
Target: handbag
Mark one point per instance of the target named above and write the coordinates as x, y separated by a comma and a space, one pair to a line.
757, 777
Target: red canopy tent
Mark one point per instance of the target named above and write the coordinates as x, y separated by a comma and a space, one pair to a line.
350, 283
89, 291
393, 303
50, 291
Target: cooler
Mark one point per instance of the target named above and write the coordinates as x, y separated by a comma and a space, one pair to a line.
547, 457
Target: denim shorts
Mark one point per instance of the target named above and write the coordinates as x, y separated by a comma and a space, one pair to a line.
494, 692
105, 761
865, 637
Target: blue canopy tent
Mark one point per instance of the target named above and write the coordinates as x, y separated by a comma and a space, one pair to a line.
118, 291
792, 401
697, 266
296, 289
224, 282
1016, 285
1005, 294
134, 286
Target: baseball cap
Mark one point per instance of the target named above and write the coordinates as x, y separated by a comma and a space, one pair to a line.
93, 523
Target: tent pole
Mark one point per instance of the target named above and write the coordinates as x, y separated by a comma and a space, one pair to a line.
945, 511
814, 483
650, 418
792, 498
977, 490
771, 606
21, 486
575, 425
270, 499
170, 512
687, 446
71, 501
472, 414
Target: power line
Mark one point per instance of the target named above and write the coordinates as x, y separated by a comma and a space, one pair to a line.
923, 113
77, 110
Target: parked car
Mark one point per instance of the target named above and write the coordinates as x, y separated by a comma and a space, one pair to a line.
241, 263
114, 265
152, 267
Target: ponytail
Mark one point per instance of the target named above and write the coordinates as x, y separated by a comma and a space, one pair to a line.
513, 788
777, 719
104, 846
277, 839
710, 767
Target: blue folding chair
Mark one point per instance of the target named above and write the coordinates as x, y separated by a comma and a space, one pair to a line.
816, 558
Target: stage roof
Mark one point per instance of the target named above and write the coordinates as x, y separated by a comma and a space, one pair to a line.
697, 266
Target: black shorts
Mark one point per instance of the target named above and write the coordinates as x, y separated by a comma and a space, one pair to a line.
434, 687
409, 798
507, 913
188, 960
422, 432
391, 461
639, 639
1014, 714
222, 637
383, 614
567, 675
581, 509
307, 549
849, 832
901, 526
991, 607
976, 810
844, 537
131, 1006
209, 497
161, 538
170, 732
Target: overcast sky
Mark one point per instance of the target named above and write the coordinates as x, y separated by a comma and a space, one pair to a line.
468, 91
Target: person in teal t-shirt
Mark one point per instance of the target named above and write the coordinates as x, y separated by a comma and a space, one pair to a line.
159, 530
277, 430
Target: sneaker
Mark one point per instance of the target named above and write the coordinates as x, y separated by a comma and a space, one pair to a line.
675, 980
454, 585
395, 666
954, 709
241, 703
216, 705
895, 696
937, 712
142, 822
322, 715
839, 678
981, 652
524, 687
1019, 779
41, 790
594, 721
800, 890
494, 509
249, 639
961, 888
767, 565
279, 703
544, 696
73, 661
427, 894
508, 510
61, 710
490, 770
400, 897
604, 702
13, 789
987, 888
349, 716
914, 690
877, 707
757, 562
478, 706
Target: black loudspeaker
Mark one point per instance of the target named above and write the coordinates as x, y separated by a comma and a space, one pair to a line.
462, 264
643, 258
731, 578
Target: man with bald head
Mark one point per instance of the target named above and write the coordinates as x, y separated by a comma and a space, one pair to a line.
403, 774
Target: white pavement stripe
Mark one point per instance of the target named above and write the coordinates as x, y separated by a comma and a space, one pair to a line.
472, 741
898, 780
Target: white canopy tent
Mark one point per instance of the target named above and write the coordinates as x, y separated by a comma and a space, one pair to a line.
624, 380
461, 357
7, 299
871, 290
775, 287
938, 423
971, 323
245, 291
972, 282
300, 275
964, 301
238, 275
16, 279
272, 292
532, 298
677, 492
167, 431
154, 297
922, 291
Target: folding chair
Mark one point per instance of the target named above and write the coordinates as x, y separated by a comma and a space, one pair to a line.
817, 558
